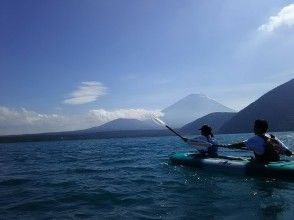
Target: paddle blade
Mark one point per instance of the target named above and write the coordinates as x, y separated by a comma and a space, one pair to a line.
158, 121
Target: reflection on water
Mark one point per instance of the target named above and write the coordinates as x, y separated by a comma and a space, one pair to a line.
272, 199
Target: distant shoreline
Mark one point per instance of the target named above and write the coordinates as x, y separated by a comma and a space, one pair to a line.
62, 136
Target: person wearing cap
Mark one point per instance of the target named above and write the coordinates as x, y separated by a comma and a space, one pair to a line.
206, 136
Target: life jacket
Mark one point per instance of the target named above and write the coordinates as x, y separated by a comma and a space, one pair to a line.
272, 150
212, 150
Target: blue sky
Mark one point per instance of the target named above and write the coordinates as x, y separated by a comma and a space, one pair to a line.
71, 64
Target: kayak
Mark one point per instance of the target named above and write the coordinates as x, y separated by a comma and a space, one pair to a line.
235, 165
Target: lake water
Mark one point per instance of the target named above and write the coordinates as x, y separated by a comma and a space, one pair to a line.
131, 178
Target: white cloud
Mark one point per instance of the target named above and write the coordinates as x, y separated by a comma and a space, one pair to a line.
140, 114
23, 121
284, 18
87, 92
18, 121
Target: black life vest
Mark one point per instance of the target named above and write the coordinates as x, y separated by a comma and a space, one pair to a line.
272, 150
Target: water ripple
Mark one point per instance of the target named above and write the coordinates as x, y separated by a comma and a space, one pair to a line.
129, 179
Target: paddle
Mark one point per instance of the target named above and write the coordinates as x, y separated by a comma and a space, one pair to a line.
199, 143
162, 123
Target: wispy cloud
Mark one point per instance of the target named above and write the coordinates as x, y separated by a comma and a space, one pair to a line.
140, 114
85, 93
285, 17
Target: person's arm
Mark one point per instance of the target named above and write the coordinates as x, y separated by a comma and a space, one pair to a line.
240, 145
199, 141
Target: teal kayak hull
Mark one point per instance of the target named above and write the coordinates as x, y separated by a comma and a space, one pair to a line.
235, 165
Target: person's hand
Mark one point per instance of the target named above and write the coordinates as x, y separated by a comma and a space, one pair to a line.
185, 139
288, 153
220, 145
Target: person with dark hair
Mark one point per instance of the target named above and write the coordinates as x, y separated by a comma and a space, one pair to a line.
266, 147
206, 137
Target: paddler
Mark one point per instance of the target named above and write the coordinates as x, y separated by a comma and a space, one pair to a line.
208, 137
266, 147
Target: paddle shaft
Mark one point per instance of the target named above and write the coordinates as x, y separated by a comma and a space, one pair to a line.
158, 121
218, 145
172, 130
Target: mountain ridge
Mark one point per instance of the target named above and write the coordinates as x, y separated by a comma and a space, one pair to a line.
124, 124
214, 120
271, 106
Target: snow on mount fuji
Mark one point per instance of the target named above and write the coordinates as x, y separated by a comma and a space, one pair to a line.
191, 108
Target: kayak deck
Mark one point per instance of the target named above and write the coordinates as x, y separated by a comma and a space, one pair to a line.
235, 165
